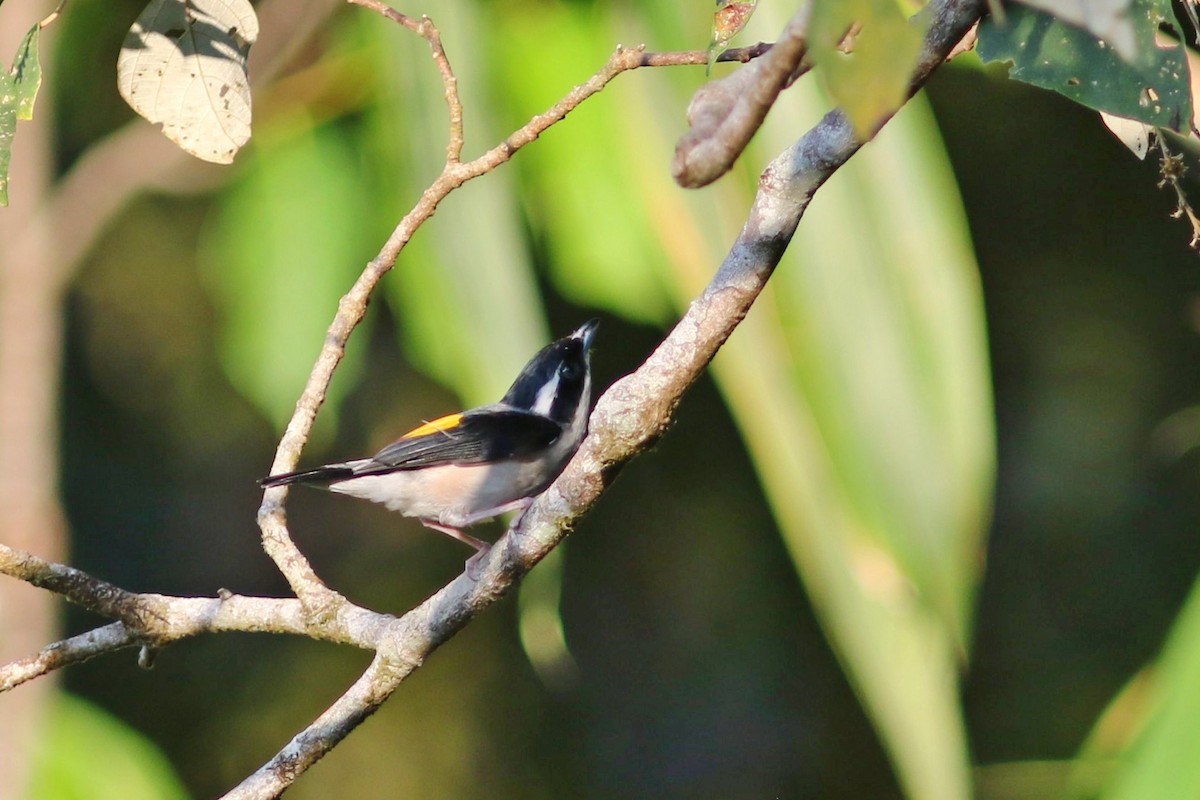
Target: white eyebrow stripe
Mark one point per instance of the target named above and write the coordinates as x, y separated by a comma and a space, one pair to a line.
545, 397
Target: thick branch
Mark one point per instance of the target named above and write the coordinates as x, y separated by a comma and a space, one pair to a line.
628, 417
360, 701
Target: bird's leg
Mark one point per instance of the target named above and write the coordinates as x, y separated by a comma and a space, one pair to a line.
481, 547
489, 513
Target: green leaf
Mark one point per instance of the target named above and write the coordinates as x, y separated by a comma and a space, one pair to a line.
183, 65
871, 81
88, 754
27, 73
8, 127
1052, 54
1146, 740
287, 243
18, 91
1105, 19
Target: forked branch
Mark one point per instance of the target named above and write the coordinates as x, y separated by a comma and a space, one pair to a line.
627, 418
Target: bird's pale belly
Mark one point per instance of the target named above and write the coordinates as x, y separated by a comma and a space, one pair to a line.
453, 494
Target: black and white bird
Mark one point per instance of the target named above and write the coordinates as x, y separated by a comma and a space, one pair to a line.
464, 468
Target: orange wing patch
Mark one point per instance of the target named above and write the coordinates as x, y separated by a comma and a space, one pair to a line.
444, 424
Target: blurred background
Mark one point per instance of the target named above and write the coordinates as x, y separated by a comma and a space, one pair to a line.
921, 532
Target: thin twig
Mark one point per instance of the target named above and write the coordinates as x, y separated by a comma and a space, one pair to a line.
429, 32
272, 520
53, 15
699, 58
1171, 169
106, 639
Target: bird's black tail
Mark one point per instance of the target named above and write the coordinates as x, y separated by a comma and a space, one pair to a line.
320, 476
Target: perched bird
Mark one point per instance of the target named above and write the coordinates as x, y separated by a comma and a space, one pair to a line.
462, 469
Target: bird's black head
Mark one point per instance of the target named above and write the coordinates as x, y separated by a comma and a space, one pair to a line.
557, 381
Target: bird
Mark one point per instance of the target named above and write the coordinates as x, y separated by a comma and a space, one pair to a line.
468, 467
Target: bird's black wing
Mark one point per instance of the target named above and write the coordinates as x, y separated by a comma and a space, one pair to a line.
476, 437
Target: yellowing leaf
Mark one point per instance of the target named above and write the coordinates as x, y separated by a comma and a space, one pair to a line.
183, 65
731, 16
27, 73
871, 81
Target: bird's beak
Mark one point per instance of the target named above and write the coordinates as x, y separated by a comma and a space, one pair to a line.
586, 332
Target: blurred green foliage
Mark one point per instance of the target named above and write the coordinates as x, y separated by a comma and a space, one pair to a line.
1145, 740
864, 396
86, 753
282, 247
850, 445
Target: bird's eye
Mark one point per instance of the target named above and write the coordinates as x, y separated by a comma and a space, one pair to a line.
570, 370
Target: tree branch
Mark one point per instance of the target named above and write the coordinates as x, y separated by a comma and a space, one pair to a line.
106, 639
101, 166
158, 620
634, 412
272, 520
425, 28
360, 701
631, 414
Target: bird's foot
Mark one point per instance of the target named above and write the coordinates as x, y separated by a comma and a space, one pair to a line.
474, 565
